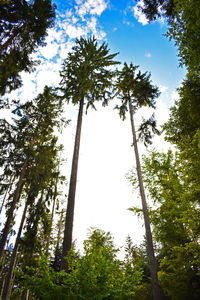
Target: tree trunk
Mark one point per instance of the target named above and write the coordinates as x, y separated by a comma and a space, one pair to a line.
25, 295
52, 214
59, 230
6, 193
67, 241
150, 250
7, 285
16, 197
12, 207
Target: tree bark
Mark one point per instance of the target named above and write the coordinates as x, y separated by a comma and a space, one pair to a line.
6, 193
12, 207
7, 285
59, 230
150, 249
16, 197
67, 241
52, 215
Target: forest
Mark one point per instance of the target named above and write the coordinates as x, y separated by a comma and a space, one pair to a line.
40, 260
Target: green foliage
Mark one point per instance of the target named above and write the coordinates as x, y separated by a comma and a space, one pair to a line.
184, 119
154, 9
135, 88
173, 184
31, 136
86, 74
23, 27
137, 257
33, 122
184, 26
101, 275
97, 274
146, 129
184, 29
179, 275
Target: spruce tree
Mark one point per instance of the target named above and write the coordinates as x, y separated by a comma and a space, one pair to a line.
38, 119
85, 79
23, 28
135, 90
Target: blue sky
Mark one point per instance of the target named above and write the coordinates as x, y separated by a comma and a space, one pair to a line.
144, 45
124, 29
103, 194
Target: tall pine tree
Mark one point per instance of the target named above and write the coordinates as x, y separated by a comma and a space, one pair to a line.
86, 78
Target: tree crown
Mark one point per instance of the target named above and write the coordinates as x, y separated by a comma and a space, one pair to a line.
86, 73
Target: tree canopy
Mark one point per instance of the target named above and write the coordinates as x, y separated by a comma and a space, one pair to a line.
23, 28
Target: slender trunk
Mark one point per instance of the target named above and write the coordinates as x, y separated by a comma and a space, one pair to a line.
16, 197
2, 289
12, 208
57, 261
150, 250
7, 192
25, 295
52, 214
7, 284
13, 278
67, 242
59, 230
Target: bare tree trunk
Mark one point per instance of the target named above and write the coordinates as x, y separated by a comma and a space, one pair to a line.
16, 197
59, 230
2, 289
12, 207
13, 278
52, 215
25, 295
150, 249
7, 192
67, 241
7, 284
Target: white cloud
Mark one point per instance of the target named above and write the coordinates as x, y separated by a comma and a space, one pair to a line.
92, 26
50, 51
126, 22
28, 91
82, 20
173, 96
139, 15
74, 31
48, 75
68, 13
148, 55
64, 49
90, 7
162, 111
59, 42
163, 88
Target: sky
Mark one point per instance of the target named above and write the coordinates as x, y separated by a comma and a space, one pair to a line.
103, 193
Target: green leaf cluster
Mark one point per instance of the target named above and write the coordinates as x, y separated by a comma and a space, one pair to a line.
97, 274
